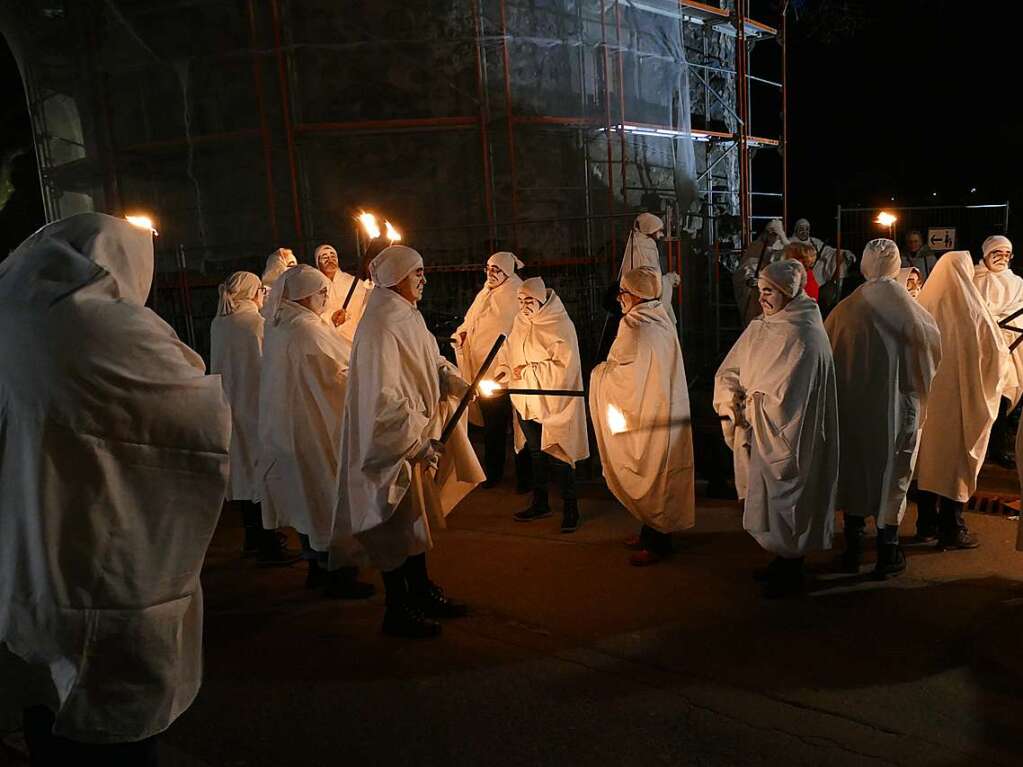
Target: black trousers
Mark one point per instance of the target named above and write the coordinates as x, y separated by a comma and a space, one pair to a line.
937, 515
47, 749
654, 540
544, 463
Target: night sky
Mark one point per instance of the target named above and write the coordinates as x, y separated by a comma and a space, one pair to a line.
912, 100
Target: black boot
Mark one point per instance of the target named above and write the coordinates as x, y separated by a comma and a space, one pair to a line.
538, 509
852, 557
316, 577
344, 583
890, 561
786, 580
252, 524
402, 618
426, 595
763, 574
570, 516
273, 552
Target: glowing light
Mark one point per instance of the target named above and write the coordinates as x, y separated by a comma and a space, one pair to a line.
884, 218
489, 388
369, 225
142, 222
392, 234
616, 420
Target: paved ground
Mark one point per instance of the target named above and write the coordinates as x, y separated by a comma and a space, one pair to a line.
573, 657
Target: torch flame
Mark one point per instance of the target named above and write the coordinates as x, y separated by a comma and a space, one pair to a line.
370, 225
884, 218
142, 222
392, 234
488, 387
616, 420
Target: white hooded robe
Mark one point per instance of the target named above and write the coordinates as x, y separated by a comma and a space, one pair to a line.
967, 388
339, 287
302, 392
113, 466
649, 465
886, 349
777, 388
547, 343
236, 351
1003, 294
398, 398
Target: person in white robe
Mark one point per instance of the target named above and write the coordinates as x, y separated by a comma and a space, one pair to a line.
910, 278
776, 394
641, 252
395, 480
346, 320
113, 468
886, 349
542, 352
301, 395
830, 268
1002, 291
491, 314
639, 402
963, 402
766, 249
277, 263
236, 351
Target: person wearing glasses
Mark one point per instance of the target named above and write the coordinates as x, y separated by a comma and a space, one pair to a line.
491, 314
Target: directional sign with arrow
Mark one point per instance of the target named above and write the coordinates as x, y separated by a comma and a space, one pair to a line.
943, 238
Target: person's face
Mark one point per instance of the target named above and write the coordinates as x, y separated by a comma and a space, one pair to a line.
914, 243
495, 276
770, 237
317, 302
627, 301
327, 262
411, 288
913, 285
803, 231
998, 260
772, 300
528, 305
658, 235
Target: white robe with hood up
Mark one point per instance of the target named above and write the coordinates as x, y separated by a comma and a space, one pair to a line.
302, 392
649, 465
547, 344
886, 349
113, 466
777, 389
968, 386
236, 351
399, 397
339, 287
1003, 294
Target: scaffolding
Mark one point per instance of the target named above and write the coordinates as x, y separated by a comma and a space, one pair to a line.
241, 111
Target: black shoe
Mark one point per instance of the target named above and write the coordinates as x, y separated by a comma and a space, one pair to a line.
433, 604
533, 513
408, 622
278, 558
890, 561
344, 583
961, 540
923, 537
570, 517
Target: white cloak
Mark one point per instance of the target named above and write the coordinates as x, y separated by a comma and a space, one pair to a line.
302, 392
964, 398
548, 345
398, 398
886, 349
492, 313
641, 253
339, 287
753, 261
113, 466
236, 349
1003, 294
649, 466
777, 388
